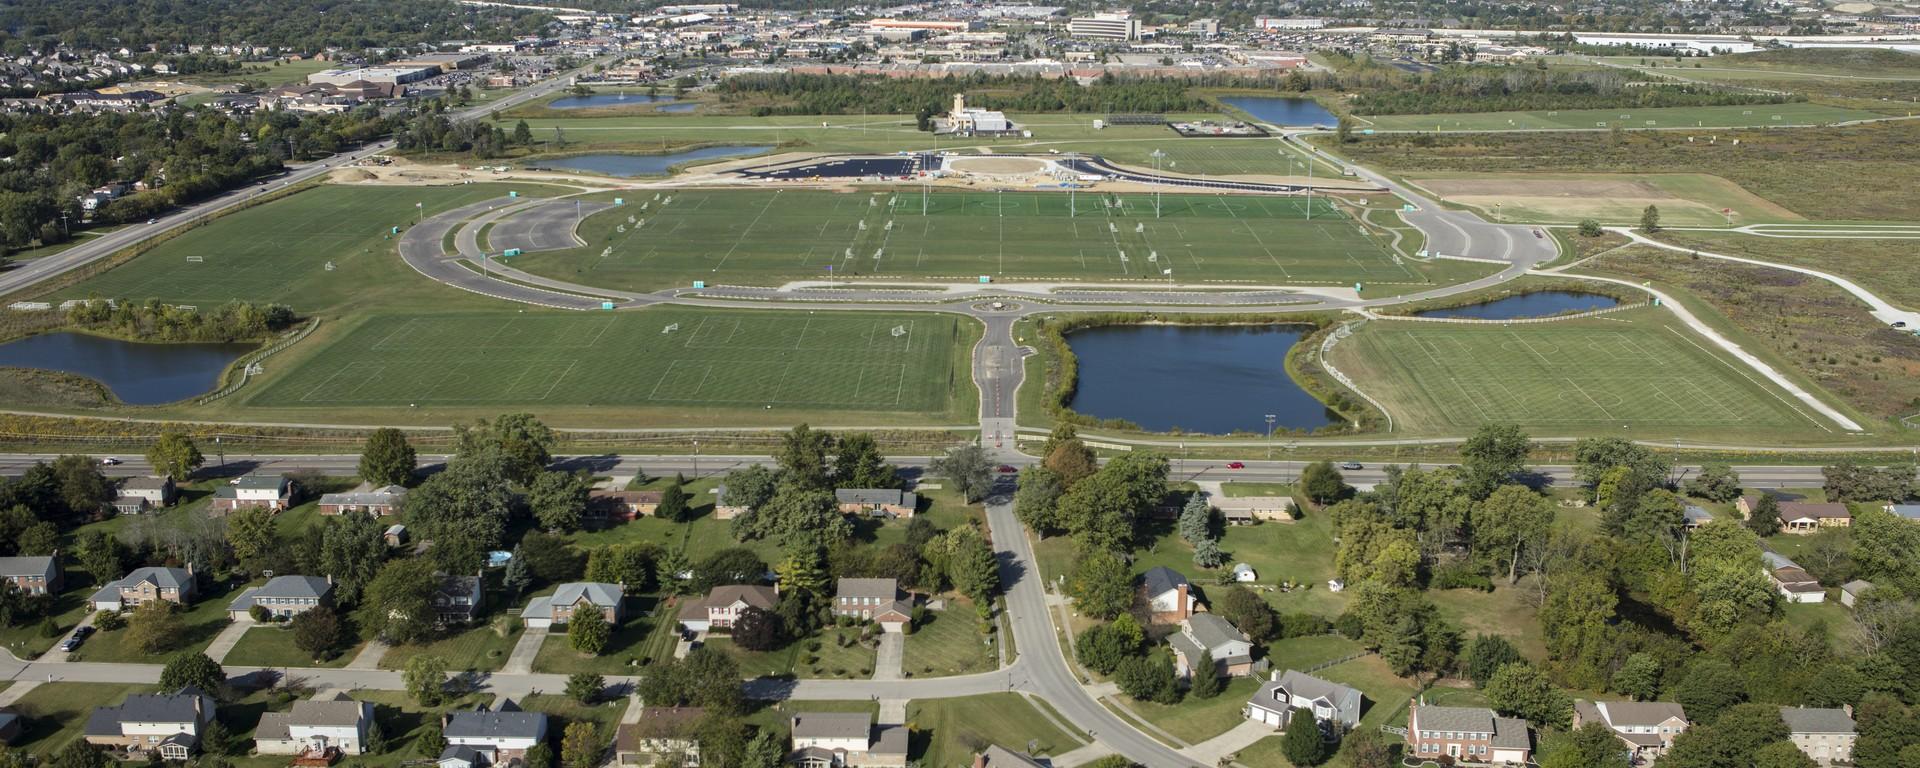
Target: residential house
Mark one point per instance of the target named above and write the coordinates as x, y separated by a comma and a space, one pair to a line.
165, 723
659, 733
1647, 728
1792, 581
1826, 735
1852, 591
849, 739
324, 727
33, 574
1169, 596
1208, 633
573, 597
139, 494
272, 492
143, 585
1329, 702
1802, 516
396, 535
379, 502
996, 756
875, 600
1469, 734
622, 506
1244, 573
486, 737
721, 509
877, 502
284, 597
1248, 508
456, 600
719, 608
1696, 516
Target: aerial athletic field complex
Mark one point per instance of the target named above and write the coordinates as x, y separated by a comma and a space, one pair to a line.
758, 236
672, 358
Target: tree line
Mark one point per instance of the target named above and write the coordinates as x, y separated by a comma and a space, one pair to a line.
36, 26
798, 94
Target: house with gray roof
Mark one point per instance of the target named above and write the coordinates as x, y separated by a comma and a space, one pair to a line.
1647, 728
139, 494
378, 502
32, 574
1825, 735
1792, 581
491, 736
283, 597
1466, 734
996, 756
1697, 516
11, 726
876, 600
326, 726
1909, 512
849, 739
274, 492
1329, 702
558, 609
148, 723
1208, 633
877, 502
1852, 591
143, 585
456, 600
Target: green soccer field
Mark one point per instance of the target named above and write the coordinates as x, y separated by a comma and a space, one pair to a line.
683, 364
316, 250
769, 237
1749, 116
1635, 373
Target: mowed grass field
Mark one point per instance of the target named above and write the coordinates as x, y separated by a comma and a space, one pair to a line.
692, 362
1684, 199
1744, 116
281, 251
763, 236
1635, 373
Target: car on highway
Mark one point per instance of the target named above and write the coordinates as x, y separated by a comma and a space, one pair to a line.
109, 461
1006, 469
1236, 465
1539, 234
153, 221
1352, 465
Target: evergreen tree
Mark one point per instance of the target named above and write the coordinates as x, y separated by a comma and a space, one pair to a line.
1765, 519
1196, 519
1303, 744
588, 632
1206, 683
673, 503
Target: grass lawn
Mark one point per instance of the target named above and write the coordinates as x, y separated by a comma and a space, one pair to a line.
271, 73
1196, 720
26, 640
949, 731
479, 648
1504, 611
272, 646
201, 622
854, 662
1684, 199
1265, 753
401, 721
1304, 653
630, 643
1877, 265
1838, 619
1747, 116
1636, 373
279, 252
562, 711
683, 365
798, 234
948, 643
56, 713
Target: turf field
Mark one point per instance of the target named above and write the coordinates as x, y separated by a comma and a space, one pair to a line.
1757, 115
281, 251
770, 236
1684, 199
1634, 373
692, 362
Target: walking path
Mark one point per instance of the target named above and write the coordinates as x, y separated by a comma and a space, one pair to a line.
229, 637
1882, 310
524, 650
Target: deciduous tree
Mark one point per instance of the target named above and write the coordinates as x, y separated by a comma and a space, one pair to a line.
1101, 584
175, 456
387, 458
1322, 483
588, 632
351, 550
1716, 482
585, 687
425, 678
195, 669
251, 532
1037, 502
1521, 690
580, 747
1491, 458
559, 500
155, 626
968, 468
802, 457
316, 631
398, 604
859, 464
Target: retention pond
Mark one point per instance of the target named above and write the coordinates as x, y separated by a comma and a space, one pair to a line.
1536, 304
1196, 378
137, 373
628, 166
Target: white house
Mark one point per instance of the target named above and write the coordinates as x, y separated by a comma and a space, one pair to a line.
1169, 595
1274, 702
167, 724
275, 493
321, 727
1646, 728
487, 737
835, 739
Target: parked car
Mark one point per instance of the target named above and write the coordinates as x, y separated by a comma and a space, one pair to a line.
1352, 465
1236, 465
1539, 234
1006, 469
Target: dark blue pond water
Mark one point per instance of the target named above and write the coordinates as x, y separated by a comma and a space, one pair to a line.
1213, 379
138, 374
1282, 110
605, 100
644, 165
1538, 304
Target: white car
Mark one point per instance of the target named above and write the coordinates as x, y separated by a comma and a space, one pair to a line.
109, 462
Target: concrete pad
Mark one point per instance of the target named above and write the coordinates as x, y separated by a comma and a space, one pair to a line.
1081, 756
521, 662
369, 657
1210, 752
893, 712
891, 656
229, 637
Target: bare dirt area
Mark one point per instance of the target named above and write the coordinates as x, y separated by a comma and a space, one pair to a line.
999, 166
404, 173
1542, 187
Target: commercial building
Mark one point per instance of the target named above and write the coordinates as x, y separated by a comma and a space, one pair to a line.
383, 75
1118, 27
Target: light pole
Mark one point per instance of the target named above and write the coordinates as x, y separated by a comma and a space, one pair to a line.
1287, 458
222, 450
1157, 154
696, 459
1270, 418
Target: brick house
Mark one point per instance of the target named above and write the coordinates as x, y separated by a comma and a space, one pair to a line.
1802, 516
1647, 728
34, 575
877, 502
622, 506
876, 600
145, 585
147, 723
1467, 734
558, 609
1253, 508
719, 608
275, 493
659, 733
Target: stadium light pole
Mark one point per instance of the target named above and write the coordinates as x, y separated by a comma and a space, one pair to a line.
1270, 418
1157, 154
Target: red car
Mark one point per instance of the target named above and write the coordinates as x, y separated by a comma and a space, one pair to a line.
1236, 465
1007, 469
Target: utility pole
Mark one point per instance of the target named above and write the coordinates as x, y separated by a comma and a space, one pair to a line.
1270, 419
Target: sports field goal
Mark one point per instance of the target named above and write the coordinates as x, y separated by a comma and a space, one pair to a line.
196, 259
899, 331
670, 328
